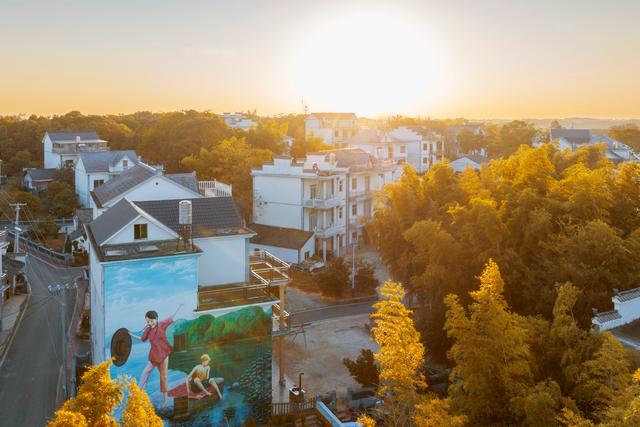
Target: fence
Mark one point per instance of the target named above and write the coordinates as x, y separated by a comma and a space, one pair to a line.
36, 249
286, 408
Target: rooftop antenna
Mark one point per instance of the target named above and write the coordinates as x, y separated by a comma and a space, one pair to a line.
185, 223
305, 108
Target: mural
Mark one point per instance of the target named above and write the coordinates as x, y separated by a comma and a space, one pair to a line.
198, 367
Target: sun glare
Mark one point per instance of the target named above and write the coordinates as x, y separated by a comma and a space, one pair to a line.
370, 64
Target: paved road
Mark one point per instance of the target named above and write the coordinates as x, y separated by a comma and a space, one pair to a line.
331, 312
29, 374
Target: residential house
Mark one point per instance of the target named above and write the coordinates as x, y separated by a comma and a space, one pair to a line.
95, 168
474, 161
186, 263
62, 149
239, 121
329, 194
288, 244
401, 145
37, 180
573, 139
332, 128
626, 309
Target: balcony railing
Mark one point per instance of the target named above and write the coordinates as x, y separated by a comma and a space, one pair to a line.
328, 230
79, 148
214, 189
323, 202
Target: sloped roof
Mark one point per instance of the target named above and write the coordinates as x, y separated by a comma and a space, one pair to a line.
478, 158
333, 116
185, 179
280, 237
211, 216
574, 136
112, 221
122, 183
628, 295
41, 174
347, 157
102, 161
71, 136
608, 316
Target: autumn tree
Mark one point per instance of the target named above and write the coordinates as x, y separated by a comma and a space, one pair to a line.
364, 369
628, 134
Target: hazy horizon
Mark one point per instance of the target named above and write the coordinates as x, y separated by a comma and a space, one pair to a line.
482, 60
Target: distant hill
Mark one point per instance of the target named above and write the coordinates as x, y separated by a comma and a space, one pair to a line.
573, 122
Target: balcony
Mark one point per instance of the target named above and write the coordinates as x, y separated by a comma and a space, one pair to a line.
267, 273
329, 230
323, 203
360, 194
77, 148
214, 189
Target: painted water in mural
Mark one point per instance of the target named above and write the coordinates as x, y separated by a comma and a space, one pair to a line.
198, 367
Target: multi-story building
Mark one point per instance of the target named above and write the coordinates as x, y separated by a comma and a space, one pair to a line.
572, 139
63, 149
328, 194
332, 128
401, 145
95, 168
173, 289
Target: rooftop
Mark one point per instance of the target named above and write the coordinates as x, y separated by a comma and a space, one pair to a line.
280, 237
332, 116
73, 136
122, 183
574, 136
627, 295
40, 174
187, 180
103, 161
144, 249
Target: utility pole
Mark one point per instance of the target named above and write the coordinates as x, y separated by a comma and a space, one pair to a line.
17, 206
61, 291
353, 269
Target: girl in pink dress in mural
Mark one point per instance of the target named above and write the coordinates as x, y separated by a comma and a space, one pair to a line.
156, 333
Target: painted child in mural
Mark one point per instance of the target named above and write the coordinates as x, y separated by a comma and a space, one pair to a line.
156, 333
198, 380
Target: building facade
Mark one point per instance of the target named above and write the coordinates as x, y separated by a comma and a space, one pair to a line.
63, 149
332, 128
93, 169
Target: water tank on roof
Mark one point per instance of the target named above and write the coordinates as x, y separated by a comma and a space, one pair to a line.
184, 212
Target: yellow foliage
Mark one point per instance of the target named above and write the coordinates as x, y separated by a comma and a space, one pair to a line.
435, 413
366, 421
64, 418
138, 410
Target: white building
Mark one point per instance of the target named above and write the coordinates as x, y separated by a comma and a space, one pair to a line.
93, 169
401, 145
328, 194
626, 309
64, 148
573, 139
239, 121
474, 161
332, 128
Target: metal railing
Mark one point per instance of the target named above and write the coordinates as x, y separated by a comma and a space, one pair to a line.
78, 148
214, 189
323, 202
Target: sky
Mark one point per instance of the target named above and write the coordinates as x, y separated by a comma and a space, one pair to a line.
475, 59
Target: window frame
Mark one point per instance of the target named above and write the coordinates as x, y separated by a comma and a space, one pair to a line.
141, 231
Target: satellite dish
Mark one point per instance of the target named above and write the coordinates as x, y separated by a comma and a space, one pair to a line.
120, 346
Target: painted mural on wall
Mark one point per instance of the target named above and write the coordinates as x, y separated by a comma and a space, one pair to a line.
198, 367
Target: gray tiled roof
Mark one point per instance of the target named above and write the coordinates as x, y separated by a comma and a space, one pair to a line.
608, 316
574, 136
628, 295
280, 237
41, 174
101, 161
185, 179
110, 222
479, 159
347, 157
122, 183
211, 216
71, 136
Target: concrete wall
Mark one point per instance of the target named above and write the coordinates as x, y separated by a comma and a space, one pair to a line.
223, 261
277, 201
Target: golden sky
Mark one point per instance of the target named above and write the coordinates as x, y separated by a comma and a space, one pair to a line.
478, 59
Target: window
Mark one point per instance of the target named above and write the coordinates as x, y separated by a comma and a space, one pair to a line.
354, 209
354, 237
339, 212
125, 164
306, 255
425, 147
97, 183
313, 191
424, 160
339, 185
403, 149
139, 231
379, 152
354, 183
390, 151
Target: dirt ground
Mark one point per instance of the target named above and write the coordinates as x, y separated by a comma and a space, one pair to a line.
328, 342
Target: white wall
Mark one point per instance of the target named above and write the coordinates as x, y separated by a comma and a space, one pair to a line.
154, 232
97, 308
223, 261
277, 201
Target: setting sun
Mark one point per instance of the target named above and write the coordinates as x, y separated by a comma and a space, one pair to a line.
369, 63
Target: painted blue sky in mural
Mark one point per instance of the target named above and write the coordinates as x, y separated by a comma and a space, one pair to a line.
133, 288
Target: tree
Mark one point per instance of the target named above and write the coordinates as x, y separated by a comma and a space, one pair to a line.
334, 280
492, 372
364, 369
98, 397
268, 136
627, 133
60, 199
17, 163
400, 356
365, 279
470, 141
43, 229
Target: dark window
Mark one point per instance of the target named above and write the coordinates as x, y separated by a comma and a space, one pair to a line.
139, 231
97, 183
354, 210
125, 164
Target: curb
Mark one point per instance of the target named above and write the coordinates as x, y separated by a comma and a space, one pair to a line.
4, 348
